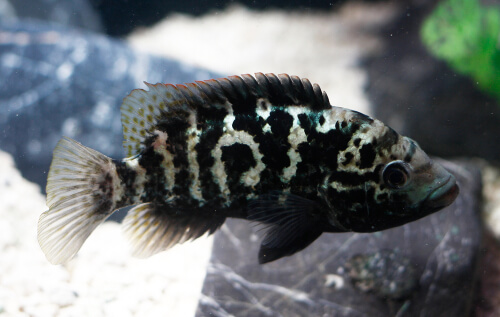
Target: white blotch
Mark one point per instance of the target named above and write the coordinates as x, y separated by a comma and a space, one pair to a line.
161, 139
70, 127
248, 178
266, 128
228, 121
331, 117
263, 108
194, 168
289, 172
160, 147
295, 138
140, 179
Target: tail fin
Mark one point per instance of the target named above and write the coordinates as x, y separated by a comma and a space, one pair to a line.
80, 195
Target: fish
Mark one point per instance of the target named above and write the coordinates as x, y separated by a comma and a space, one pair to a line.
267, 148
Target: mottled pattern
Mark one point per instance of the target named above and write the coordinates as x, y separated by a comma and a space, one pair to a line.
232, 139
267, 148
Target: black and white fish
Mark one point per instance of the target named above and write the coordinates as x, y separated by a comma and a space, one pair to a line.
268, 148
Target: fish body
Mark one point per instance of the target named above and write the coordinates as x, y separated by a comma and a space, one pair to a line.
268, 148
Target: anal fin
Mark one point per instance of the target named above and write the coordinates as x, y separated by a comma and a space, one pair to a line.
154, 228
293, 224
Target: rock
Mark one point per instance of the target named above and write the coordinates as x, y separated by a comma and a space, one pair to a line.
488, 302
58, 82
103, 279
386, 273
75, 13
280, 42
439, 253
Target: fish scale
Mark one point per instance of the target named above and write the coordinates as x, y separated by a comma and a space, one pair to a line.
265, 148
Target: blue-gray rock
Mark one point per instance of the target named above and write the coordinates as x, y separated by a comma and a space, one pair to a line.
58, 82
74, 13
425, 268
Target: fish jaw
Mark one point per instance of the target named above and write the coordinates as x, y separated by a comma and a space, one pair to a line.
442, 196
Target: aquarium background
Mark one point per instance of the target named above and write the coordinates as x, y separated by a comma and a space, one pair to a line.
65, 67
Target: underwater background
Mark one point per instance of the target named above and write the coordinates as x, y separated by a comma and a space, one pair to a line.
430, 69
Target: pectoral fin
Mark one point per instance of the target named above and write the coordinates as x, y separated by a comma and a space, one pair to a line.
289, 243
293, 223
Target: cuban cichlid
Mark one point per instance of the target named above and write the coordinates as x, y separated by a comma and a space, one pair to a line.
266, 148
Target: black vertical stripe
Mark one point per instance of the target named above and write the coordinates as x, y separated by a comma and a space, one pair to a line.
210, 121
238, 159
127, 177
154, 189
367, 154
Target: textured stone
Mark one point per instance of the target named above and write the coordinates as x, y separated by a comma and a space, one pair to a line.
488, 302
59, 82
441, 250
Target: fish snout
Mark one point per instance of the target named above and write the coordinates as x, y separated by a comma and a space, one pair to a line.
443, 195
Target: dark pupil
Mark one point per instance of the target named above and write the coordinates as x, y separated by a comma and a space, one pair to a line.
396, 177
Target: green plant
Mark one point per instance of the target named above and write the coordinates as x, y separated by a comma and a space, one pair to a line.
467, 36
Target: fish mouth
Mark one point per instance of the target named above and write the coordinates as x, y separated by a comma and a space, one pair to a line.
442, 196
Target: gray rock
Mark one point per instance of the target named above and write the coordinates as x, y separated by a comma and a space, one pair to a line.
430, 266
385, 273
58, 82
74, 13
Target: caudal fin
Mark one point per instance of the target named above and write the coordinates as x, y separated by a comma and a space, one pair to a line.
80, 195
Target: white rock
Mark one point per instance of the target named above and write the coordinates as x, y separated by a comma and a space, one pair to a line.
325, 47
103, 280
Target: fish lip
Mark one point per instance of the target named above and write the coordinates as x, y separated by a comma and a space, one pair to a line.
442, 195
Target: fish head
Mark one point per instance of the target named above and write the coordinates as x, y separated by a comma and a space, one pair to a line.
402, 185
420, 185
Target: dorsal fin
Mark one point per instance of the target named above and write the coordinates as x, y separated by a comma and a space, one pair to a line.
142, 110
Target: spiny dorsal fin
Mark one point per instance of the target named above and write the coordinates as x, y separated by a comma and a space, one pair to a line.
142, 110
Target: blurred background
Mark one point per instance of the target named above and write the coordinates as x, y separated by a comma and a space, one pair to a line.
430, 69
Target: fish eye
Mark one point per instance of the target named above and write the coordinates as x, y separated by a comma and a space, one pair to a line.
395, 174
